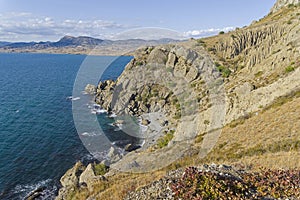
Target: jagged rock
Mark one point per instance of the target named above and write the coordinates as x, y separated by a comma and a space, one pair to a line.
192, 74
244, 89
70, 181
70, 178
145, 122
87, 175
35, 194
157, 56
180, 68
91, 89
131, 147
113, 155
283, 3
171, 60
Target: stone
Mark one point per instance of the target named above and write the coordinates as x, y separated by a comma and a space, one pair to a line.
180, 68
87, 175
145, 122
89, 88
113, 155
283, 3
70, 178
192, 74
244, 89
131, 147
157, 56
171, 60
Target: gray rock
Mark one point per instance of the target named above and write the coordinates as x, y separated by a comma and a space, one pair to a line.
157, 56
283, 3
91, 89
171, 60
192, 74
87, 175
70, 178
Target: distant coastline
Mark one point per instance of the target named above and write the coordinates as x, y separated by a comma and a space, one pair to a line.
81, 45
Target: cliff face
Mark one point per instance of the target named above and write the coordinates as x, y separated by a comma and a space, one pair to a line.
244, 83
283, 3
262, 60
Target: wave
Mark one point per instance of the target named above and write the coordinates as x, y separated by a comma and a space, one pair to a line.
72, 98
43, 188
89, 134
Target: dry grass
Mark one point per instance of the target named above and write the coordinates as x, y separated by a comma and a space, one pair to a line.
264, 137
117, 186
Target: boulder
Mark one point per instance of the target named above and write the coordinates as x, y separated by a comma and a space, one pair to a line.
180, 69
171, 60
91, 89
87, 175
157, 56
145, 122
244, 89
71, 177
113, 155
192, 74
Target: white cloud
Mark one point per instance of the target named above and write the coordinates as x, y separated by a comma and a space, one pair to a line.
206, 32
27, 27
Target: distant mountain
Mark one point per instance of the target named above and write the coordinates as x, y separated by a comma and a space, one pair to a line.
77, 41
2, 43
81, 45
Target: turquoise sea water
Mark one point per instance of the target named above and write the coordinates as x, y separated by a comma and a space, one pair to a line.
38, 139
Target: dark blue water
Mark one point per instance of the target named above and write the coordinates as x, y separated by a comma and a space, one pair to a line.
38, 139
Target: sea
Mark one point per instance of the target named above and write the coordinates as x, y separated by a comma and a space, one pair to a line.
40, 136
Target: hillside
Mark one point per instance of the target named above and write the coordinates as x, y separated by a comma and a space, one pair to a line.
229, 99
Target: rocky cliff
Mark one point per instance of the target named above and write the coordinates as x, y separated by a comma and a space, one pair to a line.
230, 98
284, 3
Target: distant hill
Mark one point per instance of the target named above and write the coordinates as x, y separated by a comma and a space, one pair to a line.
2, 43
81, 45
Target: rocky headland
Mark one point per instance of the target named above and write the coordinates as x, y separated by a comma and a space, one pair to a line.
232, 99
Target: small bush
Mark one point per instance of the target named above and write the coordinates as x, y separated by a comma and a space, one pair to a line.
289, 69
211, 49
139, 63
164, 141
221, 32
224, 71
100, 169
233, 36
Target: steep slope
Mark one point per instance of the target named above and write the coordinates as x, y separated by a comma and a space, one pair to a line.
246, 85
283, 3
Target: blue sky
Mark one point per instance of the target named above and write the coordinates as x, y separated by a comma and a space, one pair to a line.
49, 20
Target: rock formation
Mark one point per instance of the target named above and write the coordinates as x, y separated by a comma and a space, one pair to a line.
283, 3
201, 87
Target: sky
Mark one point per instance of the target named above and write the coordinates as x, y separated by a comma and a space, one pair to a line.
49, 20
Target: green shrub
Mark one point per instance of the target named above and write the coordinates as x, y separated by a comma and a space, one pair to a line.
164, 141
211, 49
139, 63
224, 71
289, 69
100, 169
221, 32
